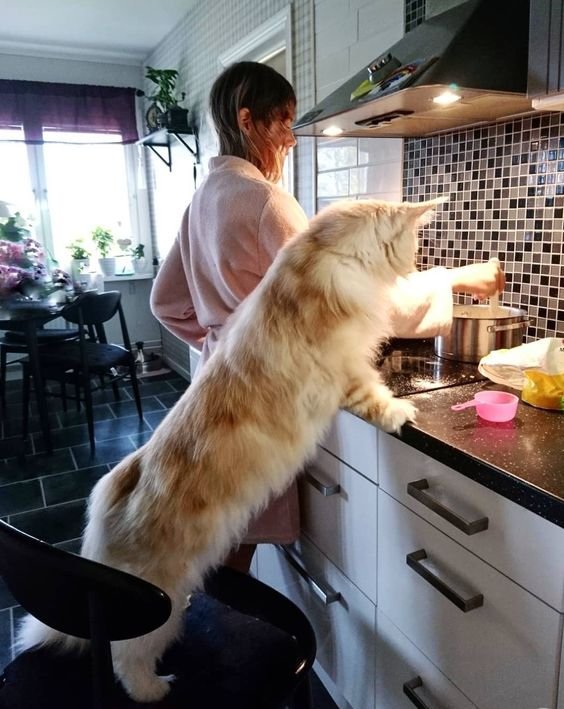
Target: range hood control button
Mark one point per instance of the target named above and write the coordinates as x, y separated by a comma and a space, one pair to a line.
379, 63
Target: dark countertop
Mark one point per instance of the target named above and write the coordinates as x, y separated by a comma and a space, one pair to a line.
522, 459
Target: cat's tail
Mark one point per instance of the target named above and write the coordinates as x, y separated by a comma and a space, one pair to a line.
108, 492
32, 632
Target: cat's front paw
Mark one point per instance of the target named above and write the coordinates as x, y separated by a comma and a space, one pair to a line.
395, 414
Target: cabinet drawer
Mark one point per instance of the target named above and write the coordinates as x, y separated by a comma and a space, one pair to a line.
355, 442
342, 524
399, 664
522, 545
501, 654
344, 628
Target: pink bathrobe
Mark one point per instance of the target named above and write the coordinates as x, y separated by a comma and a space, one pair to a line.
228, 237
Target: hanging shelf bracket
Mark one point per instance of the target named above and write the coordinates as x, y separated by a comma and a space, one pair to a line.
162, 139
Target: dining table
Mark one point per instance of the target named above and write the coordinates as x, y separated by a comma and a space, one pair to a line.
27, 317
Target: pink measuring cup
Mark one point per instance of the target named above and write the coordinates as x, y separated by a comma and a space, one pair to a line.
492, 405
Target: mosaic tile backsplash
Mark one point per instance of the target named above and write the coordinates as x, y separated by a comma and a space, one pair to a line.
414, 13
505, 184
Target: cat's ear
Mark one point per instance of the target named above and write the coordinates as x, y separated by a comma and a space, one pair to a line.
423, 212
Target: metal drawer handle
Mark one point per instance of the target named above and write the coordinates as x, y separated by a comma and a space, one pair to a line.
409, 690
323, 591
465, 604
326, 490
512, 326
417, 490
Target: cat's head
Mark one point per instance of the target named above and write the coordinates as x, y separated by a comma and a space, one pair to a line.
381, 235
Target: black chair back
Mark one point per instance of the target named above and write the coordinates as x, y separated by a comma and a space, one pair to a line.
92, 310
59, 588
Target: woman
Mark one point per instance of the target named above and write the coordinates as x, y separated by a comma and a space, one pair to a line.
238, 220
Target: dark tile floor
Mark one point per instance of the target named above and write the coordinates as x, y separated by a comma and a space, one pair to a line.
45, 495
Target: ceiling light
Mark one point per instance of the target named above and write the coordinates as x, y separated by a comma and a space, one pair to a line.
332, 131
446, 98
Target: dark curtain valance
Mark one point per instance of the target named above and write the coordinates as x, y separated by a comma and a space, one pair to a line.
37, 105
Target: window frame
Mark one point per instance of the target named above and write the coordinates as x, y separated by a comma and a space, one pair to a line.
137, 200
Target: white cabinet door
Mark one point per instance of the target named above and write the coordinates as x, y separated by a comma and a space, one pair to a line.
560, 703
355, 442
402, 670
344, 628
501, 654
338, 510
524, 546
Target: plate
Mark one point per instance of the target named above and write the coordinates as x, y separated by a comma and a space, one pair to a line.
152, 117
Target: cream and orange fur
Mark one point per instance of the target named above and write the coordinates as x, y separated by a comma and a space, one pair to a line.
298, 348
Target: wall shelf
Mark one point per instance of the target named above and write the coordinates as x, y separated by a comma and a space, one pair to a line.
163, 138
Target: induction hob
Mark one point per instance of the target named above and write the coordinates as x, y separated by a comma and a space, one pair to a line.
411, 367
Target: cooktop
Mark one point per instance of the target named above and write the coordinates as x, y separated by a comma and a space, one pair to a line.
411, 366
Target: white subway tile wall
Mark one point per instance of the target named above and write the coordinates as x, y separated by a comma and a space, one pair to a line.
348, 35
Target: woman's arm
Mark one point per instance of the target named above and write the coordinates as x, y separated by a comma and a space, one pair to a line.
171, 300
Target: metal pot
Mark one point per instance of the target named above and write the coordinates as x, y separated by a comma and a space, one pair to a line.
479, 329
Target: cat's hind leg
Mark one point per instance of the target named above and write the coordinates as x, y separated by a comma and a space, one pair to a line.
369, 398
135, 661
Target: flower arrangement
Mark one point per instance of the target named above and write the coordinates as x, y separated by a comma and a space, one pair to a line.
23, 268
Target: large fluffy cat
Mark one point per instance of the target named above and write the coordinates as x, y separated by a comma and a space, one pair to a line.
298, 348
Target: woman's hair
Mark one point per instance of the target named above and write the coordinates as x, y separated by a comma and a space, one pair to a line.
267, 95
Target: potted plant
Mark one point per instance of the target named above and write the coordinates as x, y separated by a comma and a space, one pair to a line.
103, 240
138, 258
165, 112
80, 259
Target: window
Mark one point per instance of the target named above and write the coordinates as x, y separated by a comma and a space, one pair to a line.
65, 165
67, 189
86, 186
15, 181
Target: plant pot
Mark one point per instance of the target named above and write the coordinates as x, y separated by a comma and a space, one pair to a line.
79, 269
108, 266
139, 264
175, 119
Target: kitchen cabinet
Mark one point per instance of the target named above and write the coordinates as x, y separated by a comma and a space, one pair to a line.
560, 704
517, 542
501, 649
482, 552
546, 58
404, 675
353, 441
344, 625
338, 509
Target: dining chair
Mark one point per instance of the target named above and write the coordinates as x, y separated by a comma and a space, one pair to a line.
88, 356
14, 342
243, 645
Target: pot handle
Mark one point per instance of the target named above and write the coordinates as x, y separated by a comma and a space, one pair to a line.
465, 405
512, 326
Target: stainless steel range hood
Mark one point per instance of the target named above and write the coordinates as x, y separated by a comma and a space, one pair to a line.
477, 51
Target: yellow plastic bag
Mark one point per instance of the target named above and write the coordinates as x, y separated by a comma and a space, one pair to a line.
536, 368
544, 387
